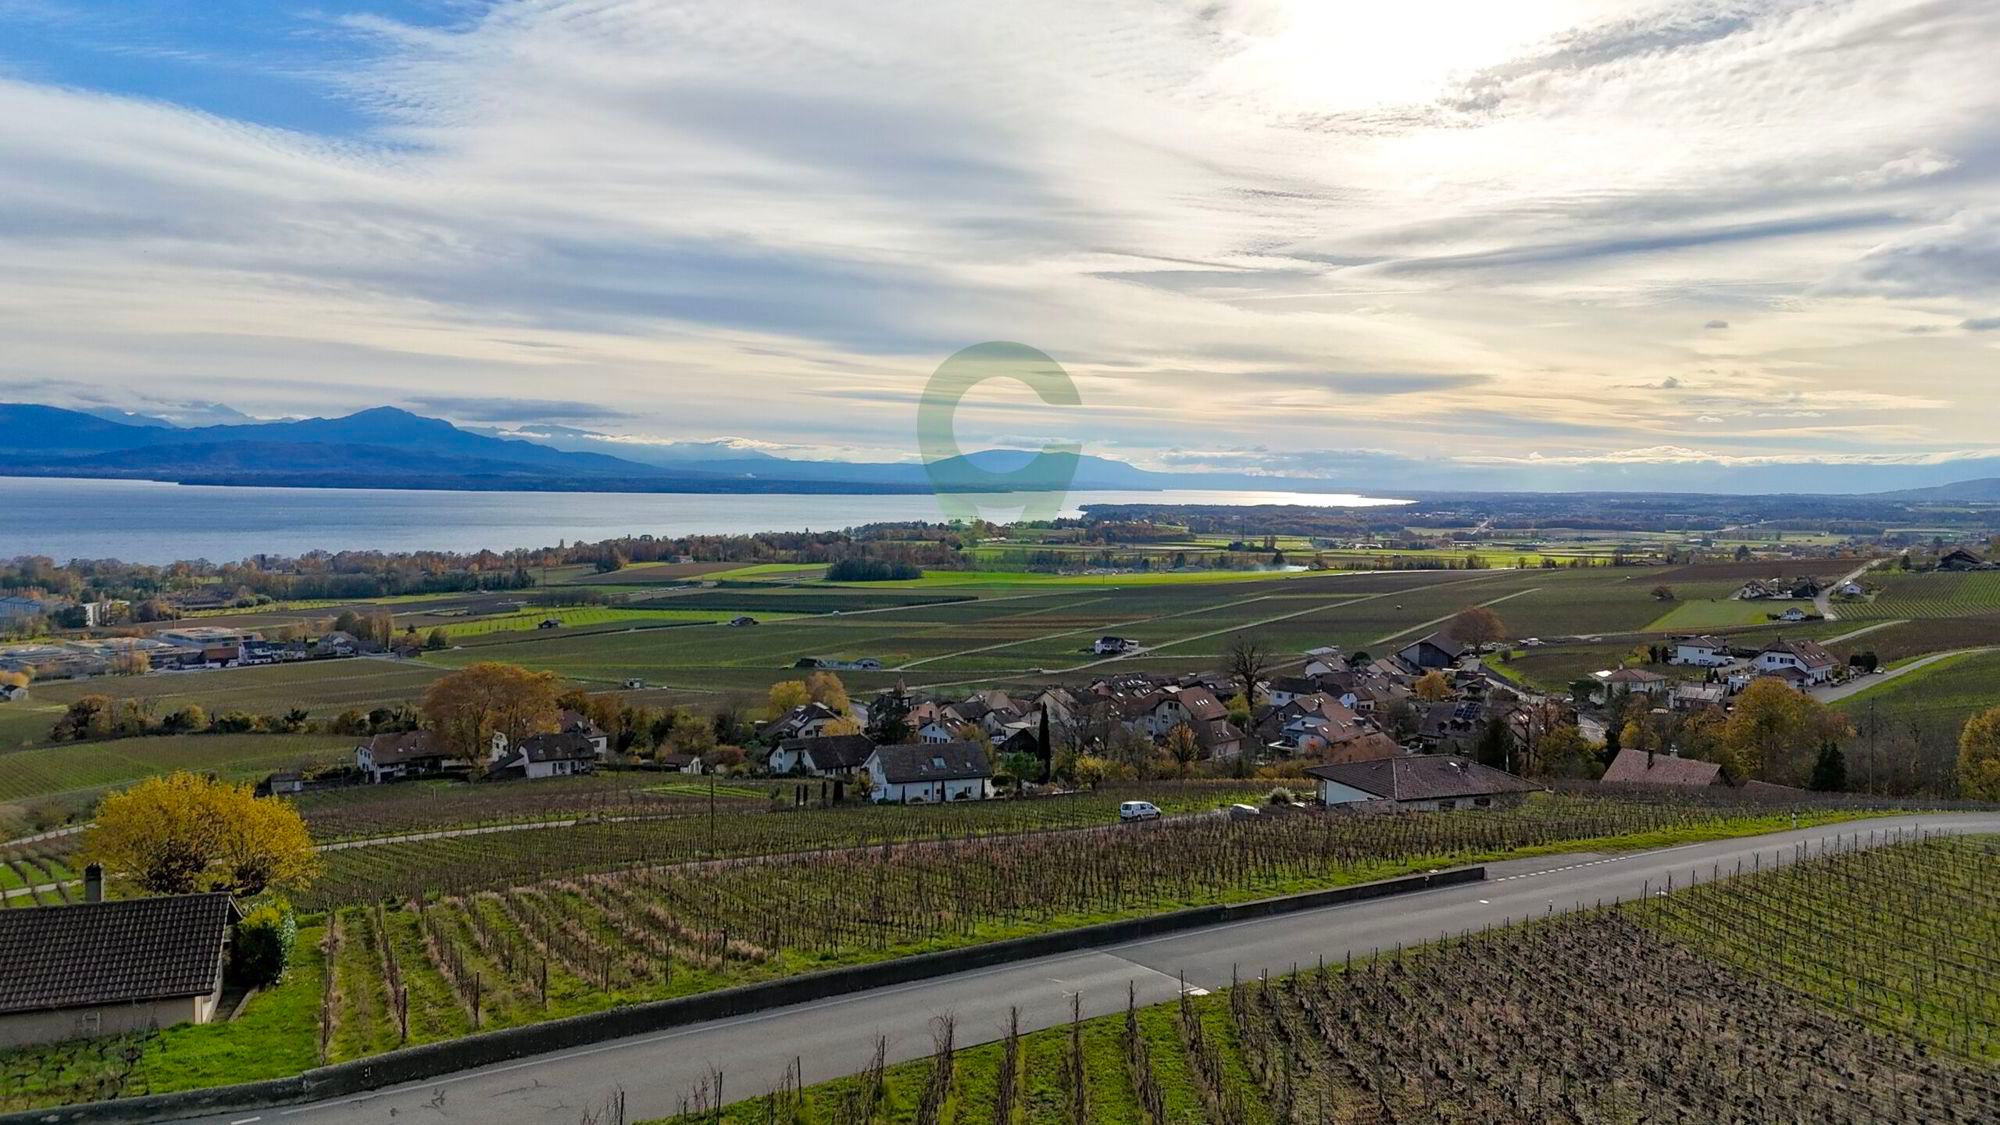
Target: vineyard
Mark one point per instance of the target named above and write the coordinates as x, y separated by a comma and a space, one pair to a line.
1590, 1017
459, 864
1933, 595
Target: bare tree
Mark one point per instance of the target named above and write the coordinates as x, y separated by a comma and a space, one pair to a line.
1248, 660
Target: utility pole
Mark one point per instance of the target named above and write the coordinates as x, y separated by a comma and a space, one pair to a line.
711, 814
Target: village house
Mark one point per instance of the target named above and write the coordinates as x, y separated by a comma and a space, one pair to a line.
538, 756
1111, 646
1813, 663
682, 763
109, 968
1702, 652
1958, 558
807, 720
393, 757
1638, 767
929, 773
1632, 681
829, 756
1419, 782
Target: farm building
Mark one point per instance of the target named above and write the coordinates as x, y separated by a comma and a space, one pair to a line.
1434, 651
1637, 767
106, 968
1420, 782
921, 773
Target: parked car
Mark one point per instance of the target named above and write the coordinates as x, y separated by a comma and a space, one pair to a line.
1138, 810
1240, 812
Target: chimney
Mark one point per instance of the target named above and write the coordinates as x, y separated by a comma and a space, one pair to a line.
93, 883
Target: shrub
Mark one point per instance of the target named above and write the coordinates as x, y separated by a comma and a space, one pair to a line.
264, 940
1281, 796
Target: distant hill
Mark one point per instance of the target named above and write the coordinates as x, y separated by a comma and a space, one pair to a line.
1985, 490
391, 448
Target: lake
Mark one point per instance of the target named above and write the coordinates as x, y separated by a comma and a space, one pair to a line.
152, 522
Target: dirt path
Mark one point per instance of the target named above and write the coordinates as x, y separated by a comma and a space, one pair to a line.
1824, 601
1863, 631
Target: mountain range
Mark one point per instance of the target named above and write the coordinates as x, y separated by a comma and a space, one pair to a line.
388, 447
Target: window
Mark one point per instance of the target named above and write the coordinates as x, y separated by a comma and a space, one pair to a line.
1447, 806
1482, 802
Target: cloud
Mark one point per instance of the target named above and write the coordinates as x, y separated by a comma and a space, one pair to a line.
1255, 223
1981, 324
474, 408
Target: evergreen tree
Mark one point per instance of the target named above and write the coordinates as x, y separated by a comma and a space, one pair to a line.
1829, 773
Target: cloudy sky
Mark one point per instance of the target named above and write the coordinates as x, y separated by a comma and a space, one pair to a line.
1283, 235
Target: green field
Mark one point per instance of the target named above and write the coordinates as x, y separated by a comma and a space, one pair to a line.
73, 775
1946, 691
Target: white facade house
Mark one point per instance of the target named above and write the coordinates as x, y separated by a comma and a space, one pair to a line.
929, 773
1813, 662
1702, 652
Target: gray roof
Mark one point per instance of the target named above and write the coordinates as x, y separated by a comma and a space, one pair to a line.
917, 762
403, 746
1423, 777
558, 747
112, 952
833, 751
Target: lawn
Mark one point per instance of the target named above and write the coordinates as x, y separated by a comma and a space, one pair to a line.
1704, 614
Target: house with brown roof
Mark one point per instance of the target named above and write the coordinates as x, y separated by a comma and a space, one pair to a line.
392, 757
1637, 767
106, 968
1420, 782
1812, 662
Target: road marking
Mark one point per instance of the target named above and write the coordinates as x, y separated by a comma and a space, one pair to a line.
246, 1120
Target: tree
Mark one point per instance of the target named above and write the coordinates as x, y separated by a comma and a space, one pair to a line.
1475, 625
465, 709
1496, 745
1021, 766
1772, 727
1564, 752
87, 718
1247, 660
825, 688
1979, 756
185, 833
1432, 687
1829, 773
843, 725
188, 720
1183, 747
438, 640
786, 695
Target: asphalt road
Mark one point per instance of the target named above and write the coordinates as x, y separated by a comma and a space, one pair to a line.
836, 1037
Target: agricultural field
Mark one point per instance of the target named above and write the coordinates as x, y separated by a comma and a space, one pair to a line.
373, 811
1947, 692
1927, 596
406, 967
324, 688
1662, 1011
66, 780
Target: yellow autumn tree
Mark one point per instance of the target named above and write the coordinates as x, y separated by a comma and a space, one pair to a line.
826, 688
785, 695
1432, 686
466, 708
1979, 756
186, 833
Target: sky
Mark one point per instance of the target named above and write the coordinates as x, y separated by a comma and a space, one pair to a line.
1610, 242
